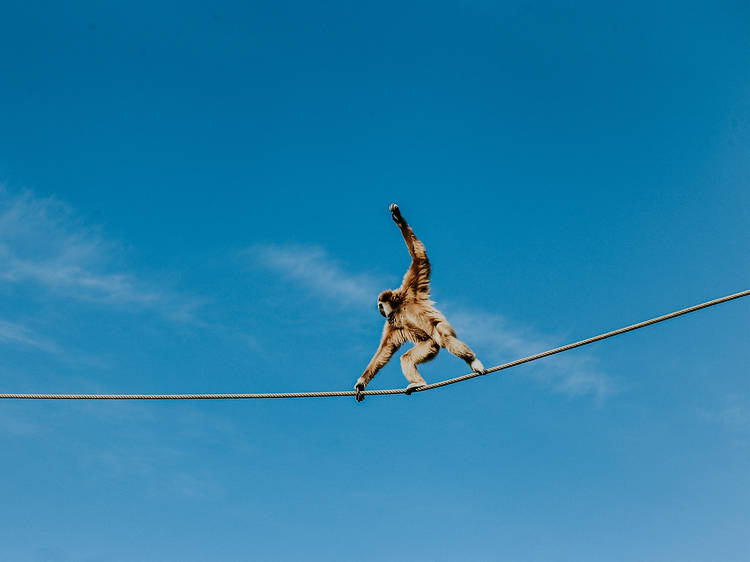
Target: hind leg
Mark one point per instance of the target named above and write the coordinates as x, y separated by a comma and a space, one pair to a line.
449, 341
420, 353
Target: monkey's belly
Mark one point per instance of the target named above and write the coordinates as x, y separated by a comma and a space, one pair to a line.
416, 334
411, 332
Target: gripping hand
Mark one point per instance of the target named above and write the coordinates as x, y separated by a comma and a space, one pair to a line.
396, 214
359, 388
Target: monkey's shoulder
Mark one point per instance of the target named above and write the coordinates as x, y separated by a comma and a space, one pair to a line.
421, 310
416, 320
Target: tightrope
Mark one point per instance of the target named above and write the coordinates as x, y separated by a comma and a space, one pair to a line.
385, 392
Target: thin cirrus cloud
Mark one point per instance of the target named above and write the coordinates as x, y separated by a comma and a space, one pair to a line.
491, 335
18, 334
496, 338
313, 268
44, 242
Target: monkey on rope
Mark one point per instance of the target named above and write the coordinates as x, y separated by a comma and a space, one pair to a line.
411, 316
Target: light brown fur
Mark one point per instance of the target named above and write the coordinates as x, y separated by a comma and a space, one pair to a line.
411, 316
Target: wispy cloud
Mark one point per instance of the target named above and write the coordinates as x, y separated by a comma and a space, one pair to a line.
13, 333
496, 338
492, 336
313, 268
43, 241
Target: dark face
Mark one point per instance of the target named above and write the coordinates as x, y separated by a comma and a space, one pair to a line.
385, 306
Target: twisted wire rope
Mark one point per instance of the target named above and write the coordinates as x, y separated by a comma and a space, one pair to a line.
385, 392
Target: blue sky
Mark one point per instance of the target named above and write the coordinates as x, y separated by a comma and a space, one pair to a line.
195, 199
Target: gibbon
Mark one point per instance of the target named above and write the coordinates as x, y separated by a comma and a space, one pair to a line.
411, 316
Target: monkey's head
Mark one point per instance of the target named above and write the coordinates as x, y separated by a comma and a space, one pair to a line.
388, 302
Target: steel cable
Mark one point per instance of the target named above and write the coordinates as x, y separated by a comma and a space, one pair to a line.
332, 394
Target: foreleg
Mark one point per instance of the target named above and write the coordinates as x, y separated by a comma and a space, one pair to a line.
417, 278
413, 244
389, 344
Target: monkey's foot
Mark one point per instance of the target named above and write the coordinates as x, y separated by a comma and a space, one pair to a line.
359, 389
414, 386
396, 213
477, 367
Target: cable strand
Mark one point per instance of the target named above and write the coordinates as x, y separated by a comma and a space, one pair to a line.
385, 392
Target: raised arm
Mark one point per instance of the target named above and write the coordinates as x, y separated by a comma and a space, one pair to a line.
416, 281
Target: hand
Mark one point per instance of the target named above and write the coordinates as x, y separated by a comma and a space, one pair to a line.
396, 213
477, 367
360, 388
